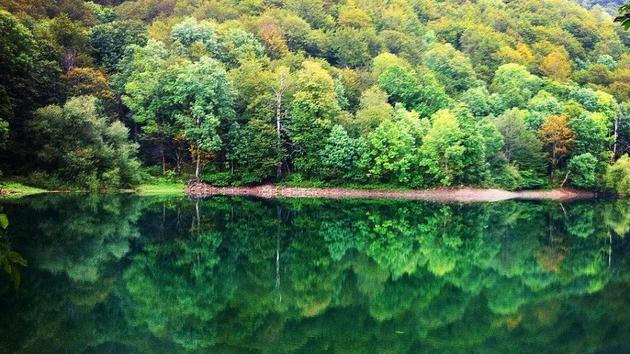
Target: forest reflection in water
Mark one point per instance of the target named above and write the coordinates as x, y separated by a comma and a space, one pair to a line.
121, 273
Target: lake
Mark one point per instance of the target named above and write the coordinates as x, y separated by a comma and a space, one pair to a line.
129, 274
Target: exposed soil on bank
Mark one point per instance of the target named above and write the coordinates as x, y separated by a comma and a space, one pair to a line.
200, 190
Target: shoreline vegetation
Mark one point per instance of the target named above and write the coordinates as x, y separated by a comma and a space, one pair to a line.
11, 189
463, 194
193, 189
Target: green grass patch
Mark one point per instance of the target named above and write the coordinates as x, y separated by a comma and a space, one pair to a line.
12, 189
161, 188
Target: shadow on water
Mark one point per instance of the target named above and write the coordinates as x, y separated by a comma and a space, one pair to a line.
121, 273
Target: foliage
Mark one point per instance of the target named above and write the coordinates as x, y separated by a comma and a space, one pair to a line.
256, 155
624, 16
420, 92
253, 91
110, 40
618, 176
81, 146
313, 111
342, 156
583, 171
452, 151
558, 139
521, 147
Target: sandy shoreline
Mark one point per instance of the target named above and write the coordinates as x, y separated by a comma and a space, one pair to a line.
201, 190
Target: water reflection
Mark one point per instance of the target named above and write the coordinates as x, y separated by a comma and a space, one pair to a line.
129, 274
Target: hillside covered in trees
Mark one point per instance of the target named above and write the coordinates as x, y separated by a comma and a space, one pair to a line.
412, 93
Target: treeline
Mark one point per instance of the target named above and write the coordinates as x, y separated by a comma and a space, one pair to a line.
411, 93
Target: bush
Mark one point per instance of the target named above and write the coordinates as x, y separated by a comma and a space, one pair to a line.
219, 179
617, 176
583, 171
75, 143
507, 177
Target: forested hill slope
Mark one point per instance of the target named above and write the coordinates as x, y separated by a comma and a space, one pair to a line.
514, 94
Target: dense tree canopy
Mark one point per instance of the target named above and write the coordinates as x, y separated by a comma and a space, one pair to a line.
514, 95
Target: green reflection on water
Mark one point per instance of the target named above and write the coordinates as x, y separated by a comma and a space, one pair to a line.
119, 273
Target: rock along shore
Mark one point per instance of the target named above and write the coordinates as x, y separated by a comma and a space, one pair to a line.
201, 190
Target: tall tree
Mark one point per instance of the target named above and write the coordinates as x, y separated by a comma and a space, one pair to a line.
558, 139
312, 112
205, 98
521, 146
452, 152
420, 92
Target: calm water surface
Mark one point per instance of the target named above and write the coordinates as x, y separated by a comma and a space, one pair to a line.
127, 274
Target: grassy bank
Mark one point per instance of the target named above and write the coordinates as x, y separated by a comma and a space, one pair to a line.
161, 188
12, 189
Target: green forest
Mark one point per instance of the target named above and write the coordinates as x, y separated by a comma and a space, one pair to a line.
522, 94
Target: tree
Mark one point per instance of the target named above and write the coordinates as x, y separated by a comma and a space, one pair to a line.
89, 82
110, 40
352, 16
373, 110
385, 61
144, 82
479, 101
582, 171
591, 134
558, 139
392, 152
71, 37
521, 147
254, 154
421, 93
617, 176
237, 46
621, 131
205, 98
521, 54
514, 85
342, 157
189, 33
540, 107
453, 69
312, 113
624, 16
4, 134
452, 151
17, 49
556, 65
351, 47
493, 142
272, 37
80, 146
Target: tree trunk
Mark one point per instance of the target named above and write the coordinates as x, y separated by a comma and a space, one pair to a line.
553, 160
278, 93
197, 164
178, 161
70, 58
566, 177
615, 136
163, 159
